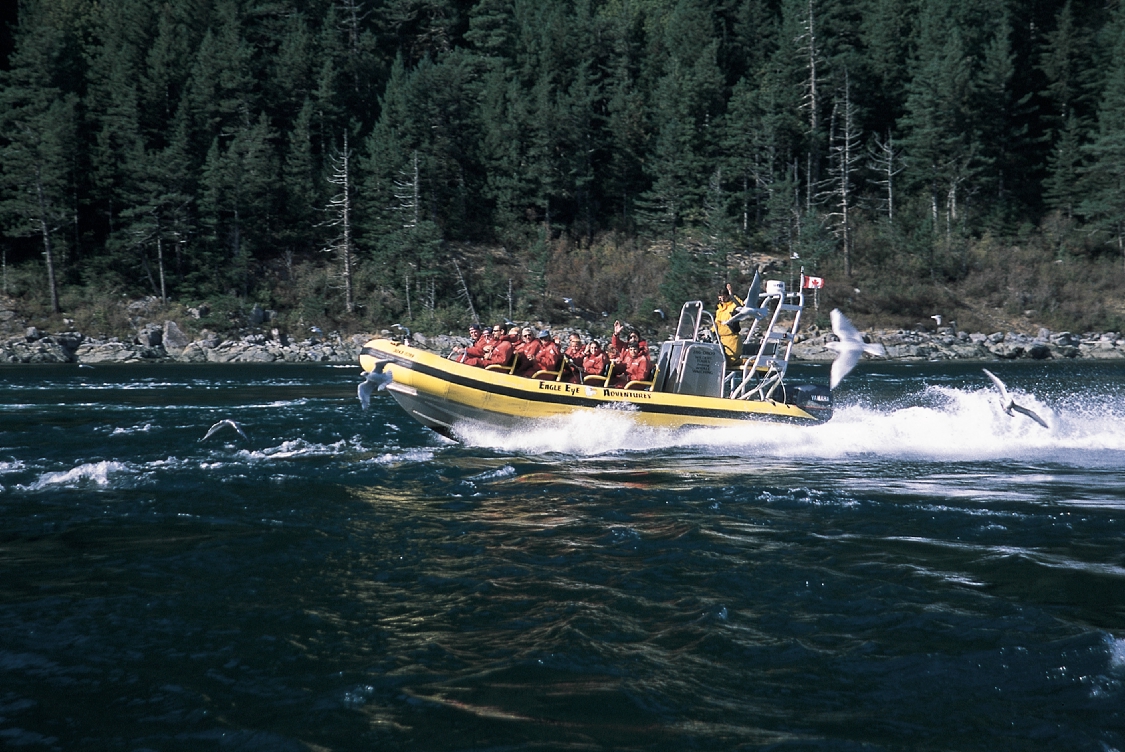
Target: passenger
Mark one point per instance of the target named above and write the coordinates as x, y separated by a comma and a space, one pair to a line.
636, 366
631, 336
596, 361
498, 333
499, 352
472, 354
573, 355
728, 333
525, 353
548, 357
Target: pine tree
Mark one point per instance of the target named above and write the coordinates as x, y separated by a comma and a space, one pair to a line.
1104, 204
37, 137
937, 134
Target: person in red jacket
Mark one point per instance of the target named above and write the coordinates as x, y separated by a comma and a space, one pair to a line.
499, 353
573, 355
547, 357
635, 366
471, 355
596, 361
526, 350
623, 344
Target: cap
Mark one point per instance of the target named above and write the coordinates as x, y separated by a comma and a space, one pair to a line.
546, 333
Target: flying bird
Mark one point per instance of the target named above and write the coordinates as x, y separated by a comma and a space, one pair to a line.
373, 380
1008, 404
569, 303
225, 422
659, 311
746, 311
937, 318
850, 348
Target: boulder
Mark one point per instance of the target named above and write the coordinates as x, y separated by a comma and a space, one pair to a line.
173, 338
150, 335
114, 352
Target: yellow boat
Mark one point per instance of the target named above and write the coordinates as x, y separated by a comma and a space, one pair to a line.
691, 386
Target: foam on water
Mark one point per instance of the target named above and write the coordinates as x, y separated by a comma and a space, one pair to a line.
1116, 648
88, 474
939, 422
408, 456
298, 448
126, 431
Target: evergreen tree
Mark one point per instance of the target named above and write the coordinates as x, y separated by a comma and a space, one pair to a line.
1104, 204
37, 137
937, 134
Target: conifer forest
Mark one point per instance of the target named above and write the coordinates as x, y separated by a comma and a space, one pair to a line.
362, 162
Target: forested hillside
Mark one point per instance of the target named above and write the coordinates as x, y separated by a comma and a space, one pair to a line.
366, 161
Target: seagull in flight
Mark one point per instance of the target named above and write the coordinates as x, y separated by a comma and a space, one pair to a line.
373, 380
743, 312
851, 347
1008, 404
225, 422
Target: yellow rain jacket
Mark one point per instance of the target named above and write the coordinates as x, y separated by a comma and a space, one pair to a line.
731, 340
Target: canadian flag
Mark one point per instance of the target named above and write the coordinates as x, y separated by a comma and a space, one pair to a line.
816, 283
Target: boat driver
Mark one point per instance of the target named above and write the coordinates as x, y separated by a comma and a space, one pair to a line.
728, 333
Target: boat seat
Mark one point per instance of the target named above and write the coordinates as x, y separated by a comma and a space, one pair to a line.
505, 369
644, 386
595, 380
555, 375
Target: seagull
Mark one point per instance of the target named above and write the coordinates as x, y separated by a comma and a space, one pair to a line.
220, 424
570, 303
1008, 404
937, 317
660, 311
373, 380
851, 347
316, 330
746, 311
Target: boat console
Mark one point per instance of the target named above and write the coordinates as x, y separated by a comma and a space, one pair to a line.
693, 363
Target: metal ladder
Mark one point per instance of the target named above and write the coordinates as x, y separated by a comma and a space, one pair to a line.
778, 337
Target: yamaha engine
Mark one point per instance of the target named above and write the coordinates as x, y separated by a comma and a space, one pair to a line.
815, 399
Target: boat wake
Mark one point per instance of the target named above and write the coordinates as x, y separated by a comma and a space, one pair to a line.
938, 423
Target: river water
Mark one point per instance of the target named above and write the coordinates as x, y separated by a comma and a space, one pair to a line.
923, 572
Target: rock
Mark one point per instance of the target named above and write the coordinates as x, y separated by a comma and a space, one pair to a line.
32, 334
1006, 350
257, 315
193, 352
199, 312
173, 338
115, 352
151, 335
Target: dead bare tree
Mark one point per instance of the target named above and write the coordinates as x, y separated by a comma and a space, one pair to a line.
340, 209
844, 156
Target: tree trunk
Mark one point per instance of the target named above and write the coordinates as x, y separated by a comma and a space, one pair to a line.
47, 252
160, 264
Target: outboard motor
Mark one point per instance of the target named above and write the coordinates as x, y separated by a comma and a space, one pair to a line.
815, 399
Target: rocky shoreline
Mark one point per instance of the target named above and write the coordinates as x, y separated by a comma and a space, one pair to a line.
168, 343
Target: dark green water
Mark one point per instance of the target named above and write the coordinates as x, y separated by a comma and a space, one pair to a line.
923, 572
